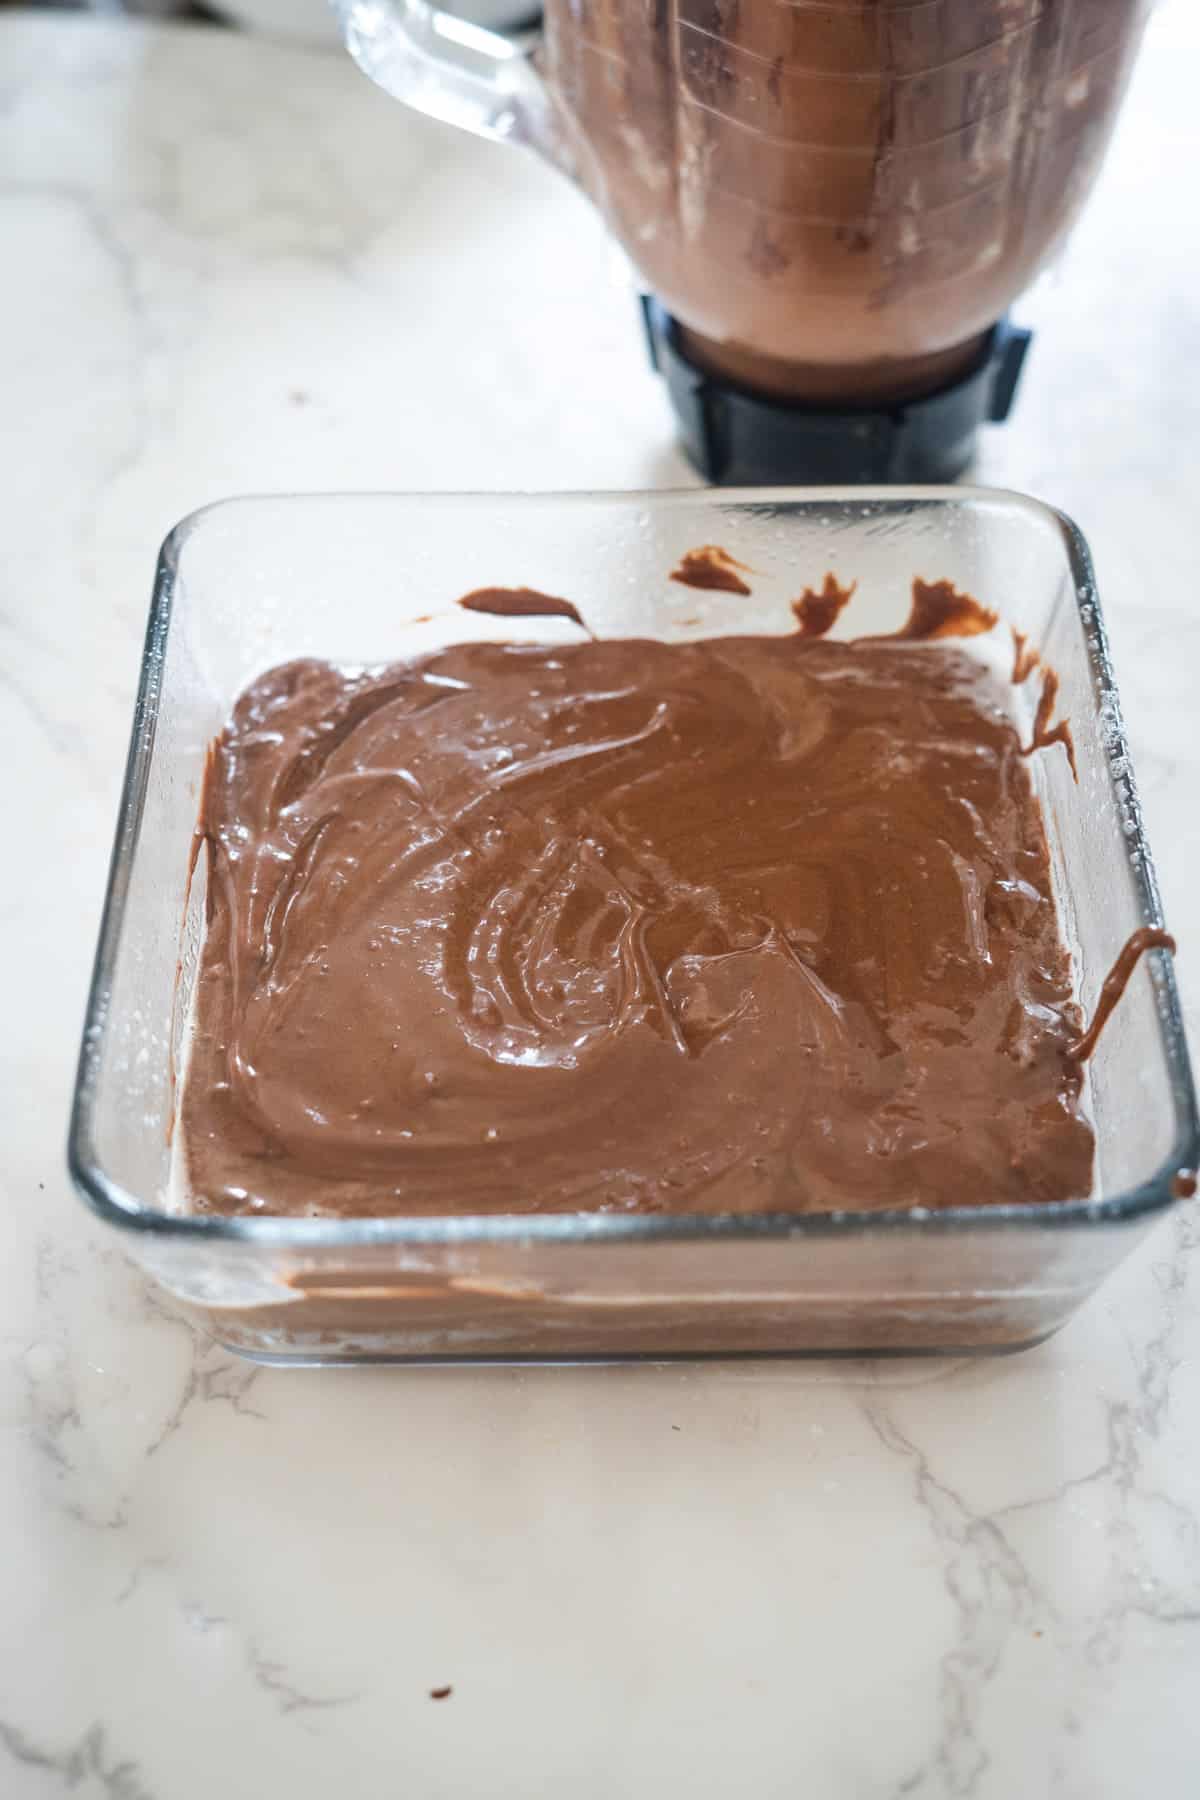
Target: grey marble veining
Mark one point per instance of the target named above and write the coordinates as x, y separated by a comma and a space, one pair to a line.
235, 267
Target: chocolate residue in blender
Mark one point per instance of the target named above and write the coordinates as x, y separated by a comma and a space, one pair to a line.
1025, 657
1146, 937
817, 611
711, 567
940, 610
1044, 733
835, 201
522, 603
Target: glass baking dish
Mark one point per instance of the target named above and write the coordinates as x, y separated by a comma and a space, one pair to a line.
372, 579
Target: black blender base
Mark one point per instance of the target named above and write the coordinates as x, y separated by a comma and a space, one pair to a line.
737, 438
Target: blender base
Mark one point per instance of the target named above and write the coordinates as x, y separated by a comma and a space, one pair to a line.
738, 438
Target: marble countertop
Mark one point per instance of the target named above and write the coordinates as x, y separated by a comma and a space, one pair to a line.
232, 266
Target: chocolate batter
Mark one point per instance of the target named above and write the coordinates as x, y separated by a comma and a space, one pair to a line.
1025, 657
521, 603
818, 609
940, 610
712, 567
1146, 937
1044, 732
749, 924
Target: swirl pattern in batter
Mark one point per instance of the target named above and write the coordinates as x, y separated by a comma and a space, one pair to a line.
746, 924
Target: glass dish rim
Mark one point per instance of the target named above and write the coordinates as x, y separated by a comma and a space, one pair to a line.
116, 1207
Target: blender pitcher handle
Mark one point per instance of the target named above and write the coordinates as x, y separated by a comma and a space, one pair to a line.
453, 70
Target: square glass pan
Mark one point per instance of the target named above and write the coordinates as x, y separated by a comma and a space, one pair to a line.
371, 579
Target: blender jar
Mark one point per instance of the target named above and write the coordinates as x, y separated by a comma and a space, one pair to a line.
832, 201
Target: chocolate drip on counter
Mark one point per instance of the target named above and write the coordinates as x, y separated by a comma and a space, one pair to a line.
1147, 937
711, 567
739, 925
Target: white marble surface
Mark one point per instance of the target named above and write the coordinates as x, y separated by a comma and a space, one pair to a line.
230, 266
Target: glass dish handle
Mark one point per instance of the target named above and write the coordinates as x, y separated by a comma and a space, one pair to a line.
454, 71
